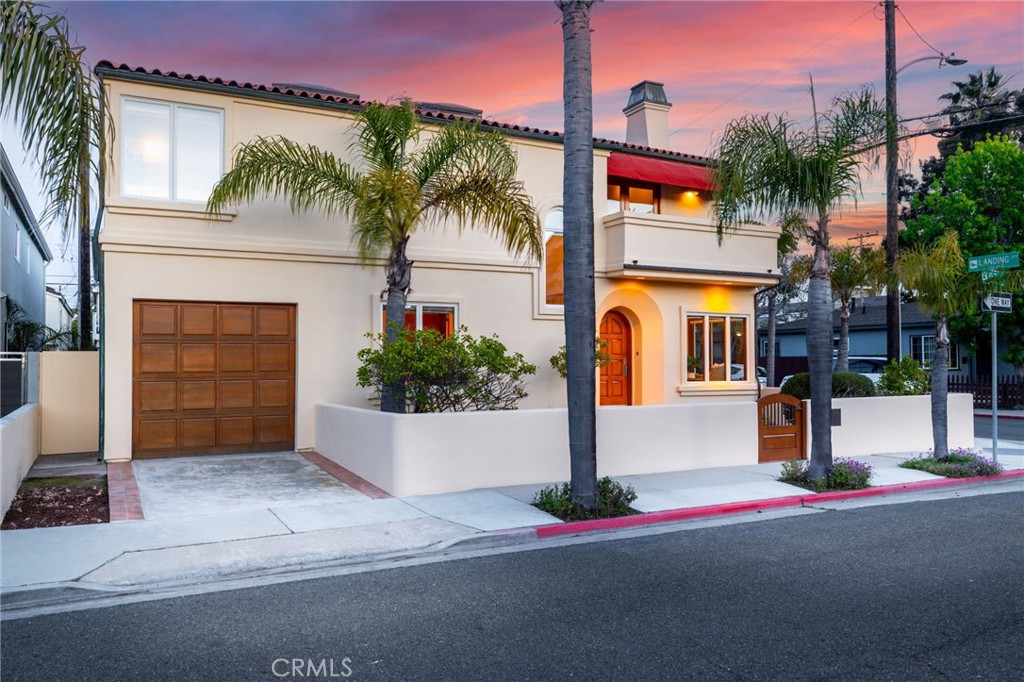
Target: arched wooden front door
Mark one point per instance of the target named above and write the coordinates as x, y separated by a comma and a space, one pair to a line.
616, 385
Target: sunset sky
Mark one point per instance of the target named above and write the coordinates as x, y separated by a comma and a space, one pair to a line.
718, 60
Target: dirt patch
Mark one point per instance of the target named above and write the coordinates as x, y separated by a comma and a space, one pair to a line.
60, 501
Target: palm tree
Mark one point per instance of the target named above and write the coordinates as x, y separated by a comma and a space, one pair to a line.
853, 271
461, 173
578, 263
792, 227
982, 99
52, 94
938, 276
765, 166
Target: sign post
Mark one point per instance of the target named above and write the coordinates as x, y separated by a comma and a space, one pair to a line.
989, 267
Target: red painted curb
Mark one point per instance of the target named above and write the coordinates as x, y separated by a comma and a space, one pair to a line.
578, 527
988, 415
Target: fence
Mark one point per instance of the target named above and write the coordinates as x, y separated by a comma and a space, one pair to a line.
1010, 390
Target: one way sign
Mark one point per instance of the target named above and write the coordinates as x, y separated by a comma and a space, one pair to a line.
998, 302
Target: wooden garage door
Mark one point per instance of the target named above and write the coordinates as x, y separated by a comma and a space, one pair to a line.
212, 378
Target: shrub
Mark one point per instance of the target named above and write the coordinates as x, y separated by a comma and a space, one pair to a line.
453, 374
844, 385
903, 377
959, 463
846, 474
601, 357
612, 500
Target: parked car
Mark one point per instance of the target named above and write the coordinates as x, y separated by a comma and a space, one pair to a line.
868, 365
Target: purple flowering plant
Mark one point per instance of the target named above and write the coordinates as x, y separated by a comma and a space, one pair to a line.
959, 463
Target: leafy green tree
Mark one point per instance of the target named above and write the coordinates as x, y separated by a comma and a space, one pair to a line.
578, 263
937, 274
53, 96
460, 173
766, 166
980, 196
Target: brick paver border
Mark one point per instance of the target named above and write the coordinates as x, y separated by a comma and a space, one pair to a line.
123, 493
345, 476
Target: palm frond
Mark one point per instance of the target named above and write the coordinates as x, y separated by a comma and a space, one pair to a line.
384, 134
306, 176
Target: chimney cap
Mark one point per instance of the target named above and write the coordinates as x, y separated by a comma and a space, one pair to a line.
647, 91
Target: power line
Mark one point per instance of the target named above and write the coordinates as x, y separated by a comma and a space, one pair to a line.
784, 66
915, 31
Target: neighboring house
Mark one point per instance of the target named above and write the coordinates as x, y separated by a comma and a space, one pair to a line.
24, 253
59, 315
222, 335
867, 336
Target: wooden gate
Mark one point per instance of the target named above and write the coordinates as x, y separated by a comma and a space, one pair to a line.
780, 428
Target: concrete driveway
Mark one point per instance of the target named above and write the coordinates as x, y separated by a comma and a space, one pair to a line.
185, 486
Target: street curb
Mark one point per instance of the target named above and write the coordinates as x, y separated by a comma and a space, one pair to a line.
596, 525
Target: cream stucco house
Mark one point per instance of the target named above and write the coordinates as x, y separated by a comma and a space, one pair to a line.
222, 335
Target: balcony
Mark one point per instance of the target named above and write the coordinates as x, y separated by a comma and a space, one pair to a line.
667, 247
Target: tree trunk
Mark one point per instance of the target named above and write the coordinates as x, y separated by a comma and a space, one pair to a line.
399, 276
84, 261
578, 262
892, 227
843, 361
819, 353
940, 387
769, 352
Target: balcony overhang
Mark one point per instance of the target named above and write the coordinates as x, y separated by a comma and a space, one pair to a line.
698, 275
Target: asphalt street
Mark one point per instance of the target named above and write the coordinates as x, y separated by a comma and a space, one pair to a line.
917, 591
1009, 429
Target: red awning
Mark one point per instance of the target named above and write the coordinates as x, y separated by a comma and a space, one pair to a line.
650, 169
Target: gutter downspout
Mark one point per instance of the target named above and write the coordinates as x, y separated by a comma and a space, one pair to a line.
97, 263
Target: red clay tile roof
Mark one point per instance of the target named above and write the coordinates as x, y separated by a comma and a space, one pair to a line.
107, 66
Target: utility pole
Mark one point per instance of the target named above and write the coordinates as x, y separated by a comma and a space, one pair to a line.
892, 229
859, 238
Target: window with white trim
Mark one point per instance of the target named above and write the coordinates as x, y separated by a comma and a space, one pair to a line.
714, 342
922, 349
170, 151
7, 203
441, 317
554, 277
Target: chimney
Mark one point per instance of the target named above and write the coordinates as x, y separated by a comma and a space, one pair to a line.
647, 115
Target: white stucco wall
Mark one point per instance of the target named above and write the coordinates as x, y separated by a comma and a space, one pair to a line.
19, 447
903, 424
69, 392
420, 454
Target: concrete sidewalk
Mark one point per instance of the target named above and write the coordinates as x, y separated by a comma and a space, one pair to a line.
257, 530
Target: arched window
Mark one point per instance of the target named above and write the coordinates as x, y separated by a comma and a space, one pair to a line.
554, 280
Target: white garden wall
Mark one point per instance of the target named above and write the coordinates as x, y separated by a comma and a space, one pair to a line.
872, 426
19, 447
419, 454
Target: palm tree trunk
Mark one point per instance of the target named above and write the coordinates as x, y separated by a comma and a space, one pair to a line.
578, 264
399, 276
940, 387
843, 361
819, 353
769, 352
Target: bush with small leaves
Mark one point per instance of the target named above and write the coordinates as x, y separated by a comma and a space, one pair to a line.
959, 463
454, 374
844, 385
612, 500
903, 377
845, 474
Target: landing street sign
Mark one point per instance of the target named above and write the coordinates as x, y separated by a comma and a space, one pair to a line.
995, 261
998, 302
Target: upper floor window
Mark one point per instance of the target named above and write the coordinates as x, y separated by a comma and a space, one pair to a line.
922, 349
7, 203
170, 151
713, 343
554, 279
634, 196
441, 317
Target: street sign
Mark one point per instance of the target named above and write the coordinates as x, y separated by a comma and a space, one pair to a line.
998, 302
995, 261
